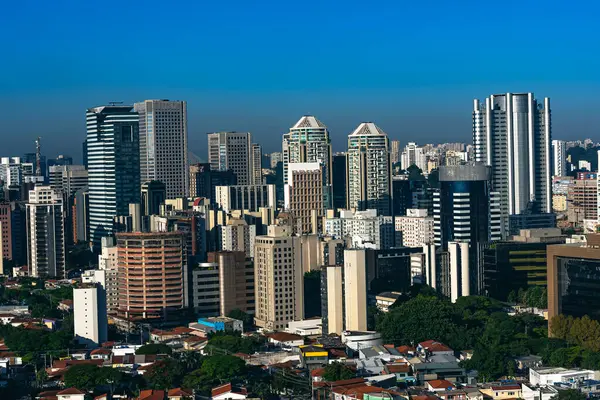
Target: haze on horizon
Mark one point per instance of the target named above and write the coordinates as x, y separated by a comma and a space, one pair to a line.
413, 69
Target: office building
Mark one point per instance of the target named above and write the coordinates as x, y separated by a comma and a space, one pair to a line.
238, 236
559, 158
6, 251
530, 220
153, 195
256, 150
519, 263
113, 166
164, 144
204, 180
81, 216
395, 152
152, 273
415, 229
402, 195
413, 155
307, 142
206, 289
582, 200
339, 180
278, 278
45, 233
245, 197
466, 210
232, 151
304, 197
362, 229
68, 179
89, 315
369, 175
574, 278
236, 281
512, 134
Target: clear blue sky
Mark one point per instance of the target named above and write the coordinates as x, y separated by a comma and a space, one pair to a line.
411, 67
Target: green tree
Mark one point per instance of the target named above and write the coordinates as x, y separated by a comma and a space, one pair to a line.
191, 360
164, 374
154, 348
512, 297
88, 376
569, 394
560, 326
223, 367
337, 371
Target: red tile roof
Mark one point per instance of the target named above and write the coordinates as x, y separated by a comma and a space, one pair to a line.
405, 349
100, 351
396, 368
507, 387
70, 391
317, 372
440, 384
283, 336
68, 363
180, 392
152, 395
227, 388
434, 346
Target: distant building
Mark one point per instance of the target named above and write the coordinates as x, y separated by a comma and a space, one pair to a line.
415, 229
68, 179
559, 158
256, 151
339, 181
154, 194
362, 229
304, 197
245, 197
413, 155
582, 200
232, 151
204, 180
395, 152
238, 235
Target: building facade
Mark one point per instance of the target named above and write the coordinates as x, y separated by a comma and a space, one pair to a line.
368, 169
68, 179
559, 158
512, 134
154, 193
362, 229
113, 166
89, 315
238, 235
164, 144
415, 229
413, 155
245, 197
395, 152
45, 233
256, 151
304, 197
232, 151
339, 181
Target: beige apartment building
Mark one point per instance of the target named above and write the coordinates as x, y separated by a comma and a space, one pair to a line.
304, 195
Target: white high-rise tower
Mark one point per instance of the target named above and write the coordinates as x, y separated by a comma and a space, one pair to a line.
512, 134
559, 158
164, 144
368, 167
232, 151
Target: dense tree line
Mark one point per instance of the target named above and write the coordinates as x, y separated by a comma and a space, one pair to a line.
535, 296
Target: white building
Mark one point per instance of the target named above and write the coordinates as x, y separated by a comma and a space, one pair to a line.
413, 155
68, 179
206, 291
559, 158
237, 235
368, 169
232, 151
89, 313
550, 376
164, 144
355, 290
363, 229
415, 229
512, 134
245, 197
460, 281
307, 142
45, 233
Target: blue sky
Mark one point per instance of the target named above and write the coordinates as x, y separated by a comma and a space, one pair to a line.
411, 67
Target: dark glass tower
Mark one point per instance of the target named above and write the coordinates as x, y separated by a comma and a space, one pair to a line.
339, 178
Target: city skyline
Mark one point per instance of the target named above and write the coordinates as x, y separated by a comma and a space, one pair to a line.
246, 79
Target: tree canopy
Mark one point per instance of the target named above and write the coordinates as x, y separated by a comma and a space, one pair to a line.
154, 348
89, 376
337, 371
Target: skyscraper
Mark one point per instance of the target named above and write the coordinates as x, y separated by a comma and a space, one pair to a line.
113, 166
413, 155
232, 151
369, 178
257, 177
339, 180
68, 179
559, 158
45, 233
304, 195
153, 195
164, 144
511, 133
307, 142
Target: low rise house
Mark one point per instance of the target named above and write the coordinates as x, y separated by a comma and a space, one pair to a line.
306, 327
285, 340
161, 336
530, 392
180, 394
65, 305
204, 326
402, 372
100, 354
228, 392
502, 392
439, 385
313, 356
70, 394
431, 347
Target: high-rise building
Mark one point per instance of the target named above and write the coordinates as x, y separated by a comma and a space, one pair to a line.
278, 277
245, 197
81, 216
232, 151
45, 233
395, 152
236, 281
582, 200
415, 229
68, 179
559, 158
152, 273
89, 315
304, 197
307, 142
355, 290
153, 195
256, 150
465, 210
164, 144
204, 180
369, 175
113, 166
5, 231
238, 235
339, 180
574, 279
108, 274
205, 289
512, 134
362, 229
413, 155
